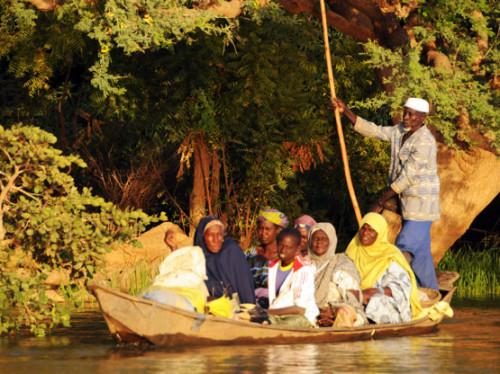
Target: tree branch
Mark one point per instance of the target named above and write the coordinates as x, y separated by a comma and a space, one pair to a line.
3, 197
46, 5
29, 194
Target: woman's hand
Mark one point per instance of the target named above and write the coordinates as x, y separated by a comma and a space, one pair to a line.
369, 292
356, 294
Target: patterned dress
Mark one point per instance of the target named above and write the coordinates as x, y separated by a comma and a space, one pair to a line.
395, 308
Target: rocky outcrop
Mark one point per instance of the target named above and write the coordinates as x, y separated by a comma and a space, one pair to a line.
124, 262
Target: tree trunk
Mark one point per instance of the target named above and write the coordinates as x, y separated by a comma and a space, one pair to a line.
206, 182
198, 197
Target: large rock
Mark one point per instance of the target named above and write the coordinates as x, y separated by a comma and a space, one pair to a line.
126, 264
469, 182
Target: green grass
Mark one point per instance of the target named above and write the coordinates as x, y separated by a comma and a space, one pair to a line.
142, 277
134, 280
479, 269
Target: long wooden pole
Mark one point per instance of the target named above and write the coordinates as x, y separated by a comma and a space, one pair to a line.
343, 150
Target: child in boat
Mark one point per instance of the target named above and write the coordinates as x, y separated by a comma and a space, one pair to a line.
181, 278
304, 224
291, 284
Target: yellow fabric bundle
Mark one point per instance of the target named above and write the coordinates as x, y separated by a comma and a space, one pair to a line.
346, 316
437, 311
222, 307
195, 297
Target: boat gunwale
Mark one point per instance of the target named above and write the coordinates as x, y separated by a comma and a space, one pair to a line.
312, 331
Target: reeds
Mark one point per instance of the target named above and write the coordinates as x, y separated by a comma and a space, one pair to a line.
479, 270
134, 279
142, 277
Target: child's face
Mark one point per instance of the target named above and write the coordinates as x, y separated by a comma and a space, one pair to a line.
287, 249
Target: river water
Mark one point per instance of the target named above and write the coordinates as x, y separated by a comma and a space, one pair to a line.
470, 342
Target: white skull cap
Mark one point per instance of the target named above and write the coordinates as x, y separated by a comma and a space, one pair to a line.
420, 105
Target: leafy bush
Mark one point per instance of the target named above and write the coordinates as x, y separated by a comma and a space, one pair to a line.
46, 225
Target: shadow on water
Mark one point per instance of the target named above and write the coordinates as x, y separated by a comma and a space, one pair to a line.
468, 342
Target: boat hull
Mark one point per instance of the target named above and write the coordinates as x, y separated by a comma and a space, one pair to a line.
134, 320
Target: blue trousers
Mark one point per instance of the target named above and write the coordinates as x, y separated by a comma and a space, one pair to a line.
415, 238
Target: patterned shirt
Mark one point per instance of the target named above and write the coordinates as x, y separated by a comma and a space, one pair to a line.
259, 266
413, 171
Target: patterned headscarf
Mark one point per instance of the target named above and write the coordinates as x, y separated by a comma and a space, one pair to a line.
305, 222
274, 216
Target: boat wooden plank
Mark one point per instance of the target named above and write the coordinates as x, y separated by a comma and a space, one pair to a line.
446, 279
135, 320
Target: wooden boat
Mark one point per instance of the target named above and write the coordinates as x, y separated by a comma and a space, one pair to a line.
135, 320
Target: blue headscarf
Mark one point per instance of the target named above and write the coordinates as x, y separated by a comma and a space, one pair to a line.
227, 269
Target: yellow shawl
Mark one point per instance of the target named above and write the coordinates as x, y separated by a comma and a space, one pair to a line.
373, 261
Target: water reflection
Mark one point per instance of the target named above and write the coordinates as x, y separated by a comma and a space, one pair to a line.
293, 359
468, 342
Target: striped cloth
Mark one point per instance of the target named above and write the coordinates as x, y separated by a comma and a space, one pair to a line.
413, 171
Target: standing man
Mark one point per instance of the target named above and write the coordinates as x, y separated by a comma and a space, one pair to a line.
413, 176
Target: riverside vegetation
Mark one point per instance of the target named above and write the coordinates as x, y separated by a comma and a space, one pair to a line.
193, 111
479, 269
47, 225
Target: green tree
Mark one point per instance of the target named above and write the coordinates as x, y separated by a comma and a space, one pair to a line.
445, 51
47, 225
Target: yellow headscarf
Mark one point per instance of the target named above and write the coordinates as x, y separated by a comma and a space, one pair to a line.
372, 261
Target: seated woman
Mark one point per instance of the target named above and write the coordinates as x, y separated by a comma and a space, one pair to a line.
336, 279
227, 269
269, 223
181, 278
389, 287
291, 284
304, 224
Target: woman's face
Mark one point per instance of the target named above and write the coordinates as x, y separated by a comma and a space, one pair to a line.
319, 243
367, 235
214, 237
267, 232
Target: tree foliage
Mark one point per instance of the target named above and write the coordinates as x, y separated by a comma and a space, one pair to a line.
46, 224
257, 95
445, 51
